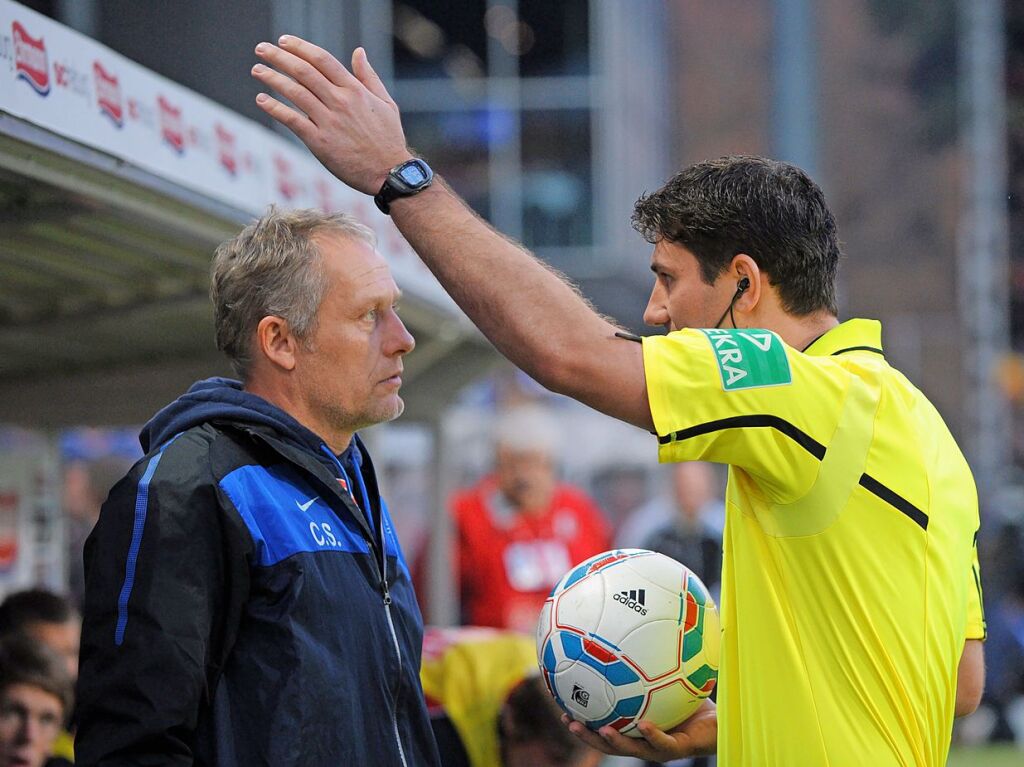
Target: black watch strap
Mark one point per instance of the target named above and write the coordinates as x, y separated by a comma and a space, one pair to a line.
404, 180
383, 199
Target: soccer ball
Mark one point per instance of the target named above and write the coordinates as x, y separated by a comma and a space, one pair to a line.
629, 635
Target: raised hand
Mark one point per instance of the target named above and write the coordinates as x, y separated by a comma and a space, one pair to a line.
347, 119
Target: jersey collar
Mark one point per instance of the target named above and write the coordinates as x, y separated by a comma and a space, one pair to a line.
852, 335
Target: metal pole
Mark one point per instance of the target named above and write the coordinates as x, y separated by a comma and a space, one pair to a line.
442, 596
982, 249
506, 160
795, 107
80, 15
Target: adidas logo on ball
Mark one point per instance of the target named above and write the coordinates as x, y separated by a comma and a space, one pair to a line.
633, 599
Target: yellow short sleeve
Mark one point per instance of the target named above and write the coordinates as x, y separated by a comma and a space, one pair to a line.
744, 398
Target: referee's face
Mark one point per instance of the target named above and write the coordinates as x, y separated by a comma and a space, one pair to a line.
680, 297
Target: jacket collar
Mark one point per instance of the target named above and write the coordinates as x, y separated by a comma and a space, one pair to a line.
852, 335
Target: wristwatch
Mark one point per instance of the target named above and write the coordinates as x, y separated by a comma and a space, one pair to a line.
405, 180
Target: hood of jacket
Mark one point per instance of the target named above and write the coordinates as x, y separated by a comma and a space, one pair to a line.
224, 399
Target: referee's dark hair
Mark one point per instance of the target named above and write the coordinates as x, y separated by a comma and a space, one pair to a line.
770, 210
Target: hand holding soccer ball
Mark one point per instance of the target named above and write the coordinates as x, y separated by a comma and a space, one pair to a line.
632, 635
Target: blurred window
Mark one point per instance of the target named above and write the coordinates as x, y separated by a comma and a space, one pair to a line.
557, 194
553, 38
496, 94
434, 39
458, 145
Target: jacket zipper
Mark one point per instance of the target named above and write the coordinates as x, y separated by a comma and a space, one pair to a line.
382, 568
398, 649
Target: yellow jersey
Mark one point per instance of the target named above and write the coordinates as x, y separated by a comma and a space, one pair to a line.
850, 577
469, 672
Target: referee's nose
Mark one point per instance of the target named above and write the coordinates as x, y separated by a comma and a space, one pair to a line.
656, 312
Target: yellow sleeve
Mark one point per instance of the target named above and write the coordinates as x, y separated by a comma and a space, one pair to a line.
744, 398
976, 628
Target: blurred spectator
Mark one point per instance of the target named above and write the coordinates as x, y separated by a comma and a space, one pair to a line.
50, 620
487, 705
519, 529
685, 523
86, 485
620, 490
47, 618
35, 698
1004, 654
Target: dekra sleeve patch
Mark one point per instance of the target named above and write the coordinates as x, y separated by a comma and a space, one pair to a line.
749, 358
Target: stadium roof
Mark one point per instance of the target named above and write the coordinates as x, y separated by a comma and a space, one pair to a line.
107, 239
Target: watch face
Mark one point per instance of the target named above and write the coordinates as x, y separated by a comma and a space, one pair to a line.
412, 174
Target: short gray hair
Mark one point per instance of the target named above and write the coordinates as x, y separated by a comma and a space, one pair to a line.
273, 267
527, 427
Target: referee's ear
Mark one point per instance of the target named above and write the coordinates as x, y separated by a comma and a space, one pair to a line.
743, 270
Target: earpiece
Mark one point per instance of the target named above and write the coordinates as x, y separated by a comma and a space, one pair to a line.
742, 286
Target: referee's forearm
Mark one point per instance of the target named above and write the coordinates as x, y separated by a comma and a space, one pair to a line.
532, 315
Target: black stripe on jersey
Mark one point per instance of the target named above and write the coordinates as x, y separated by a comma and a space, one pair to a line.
802, 438
981, 601
898, 502
859, 349
977, 585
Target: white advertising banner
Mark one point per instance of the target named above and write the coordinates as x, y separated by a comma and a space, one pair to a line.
31, 527
60, 80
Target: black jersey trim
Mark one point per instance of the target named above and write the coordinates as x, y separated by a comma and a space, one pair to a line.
874, 349
895, 500
802, 438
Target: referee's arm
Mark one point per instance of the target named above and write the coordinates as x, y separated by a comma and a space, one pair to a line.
970, 677
535, 317
529, 312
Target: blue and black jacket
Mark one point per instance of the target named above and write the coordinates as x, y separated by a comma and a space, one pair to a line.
241, 609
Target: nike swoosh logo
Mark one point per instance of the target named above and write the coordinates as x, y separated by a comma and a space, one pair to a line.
305, 506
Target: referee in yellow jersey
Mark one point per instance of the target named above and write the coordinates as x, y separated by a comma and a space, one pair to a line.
851, 597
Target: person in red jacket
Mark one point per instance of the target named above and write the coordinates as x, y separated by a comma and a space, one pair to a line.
519, 530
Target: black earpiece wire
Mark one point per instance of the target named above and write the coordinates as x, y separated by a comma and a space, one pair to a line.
741, 287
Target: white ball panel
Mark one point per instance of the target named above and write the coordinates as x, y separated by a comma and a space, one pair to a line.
656, 647
582, 604
668, 706
583, 691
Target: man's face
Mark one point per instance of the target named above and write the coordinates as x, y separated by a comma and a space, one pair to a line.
30, 720
62, 638
680, 297
526, 477
350, 369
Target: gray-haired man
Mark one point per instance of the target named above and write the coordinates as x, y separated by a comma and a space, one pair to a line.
247, 601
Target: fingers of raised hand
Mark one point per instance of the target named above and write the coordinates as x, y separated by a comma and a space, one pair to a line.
294, 78
295, 92
368, 76
319, 59
294, 121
